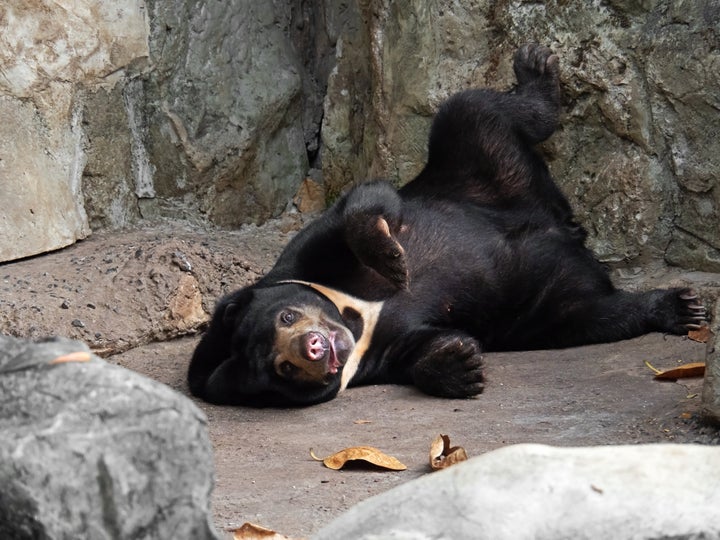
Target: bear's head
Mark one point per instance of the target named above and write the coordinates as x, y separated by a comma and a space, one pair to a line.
282, 344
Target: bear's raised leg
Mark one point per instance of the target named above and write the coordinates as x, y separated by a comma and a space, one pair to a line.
372, 215
481, 141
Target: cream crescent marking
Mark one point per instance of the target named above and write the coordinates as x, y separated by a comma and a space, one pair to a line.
369, 312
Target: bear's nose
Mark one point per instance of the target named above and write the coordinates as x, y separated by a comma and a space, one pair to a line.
315, 346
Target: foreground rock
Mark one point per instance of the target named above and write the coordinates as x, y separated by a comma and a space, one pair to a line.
541, 492
711, 389
91, 450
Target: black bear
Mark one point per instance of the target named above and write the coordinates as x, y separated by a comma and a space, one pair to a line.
479, 253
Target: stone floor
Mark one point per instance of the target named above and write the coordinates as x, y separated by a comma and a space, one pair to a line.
602, 394
139, 297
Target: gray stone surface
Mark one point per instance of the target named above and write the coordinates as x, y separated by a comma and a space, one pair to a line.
47, 53
212, 112
91, 450
711, 388
596, 395
545, 493
222, 108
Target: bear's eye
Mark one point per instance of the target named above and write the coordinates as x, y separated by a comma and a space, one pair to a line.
288, 317
288, 368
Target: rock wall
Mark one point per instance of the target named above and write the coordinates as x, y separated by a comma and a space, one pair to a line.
637, 153
47, 50
217, 112
224, 118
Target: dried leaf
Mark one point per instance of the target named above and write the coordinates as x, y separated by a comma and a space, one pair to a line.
693, 369
368, 454
653, 368
442, 455
703, 335
79, 356
362, 422
250, 531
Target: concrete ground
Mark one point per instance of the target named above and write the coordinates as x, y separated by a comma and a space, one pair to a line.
130, 294
603, 394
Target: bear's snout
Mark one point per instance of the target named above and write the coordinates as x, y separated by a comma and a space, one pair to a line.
315, 346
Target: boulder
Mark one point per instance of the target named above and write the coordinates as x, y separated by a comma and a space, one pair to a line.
544, 493
711, 386
221, 113
91, 450
48, 54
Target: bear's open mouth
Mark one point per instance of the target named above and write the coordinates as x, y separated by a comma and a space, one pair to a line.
333, 363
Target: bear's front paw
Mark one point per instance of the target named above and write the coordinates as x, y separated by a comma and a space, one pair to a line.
374, 244
451, 366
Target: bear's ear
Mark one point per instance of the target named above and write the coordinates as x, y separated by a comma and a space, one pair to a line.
234, 307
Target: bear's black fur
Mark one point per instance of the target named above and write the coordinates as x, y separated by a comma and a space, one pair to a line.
479, 253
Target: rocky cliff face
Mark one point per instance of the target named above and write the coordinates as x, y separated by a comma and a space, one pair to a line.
47, 51
637, 151
114, 112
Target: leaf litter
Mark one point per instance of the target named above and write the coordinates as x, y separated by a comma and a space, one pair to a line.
442, 455
691, 369
251, 531
367, 454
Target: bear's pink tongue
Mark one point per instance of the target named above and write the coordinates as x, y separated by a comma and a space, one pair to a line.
333, 362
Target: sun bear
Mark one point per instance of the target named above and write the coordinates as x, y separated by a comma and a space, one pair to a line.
480, 252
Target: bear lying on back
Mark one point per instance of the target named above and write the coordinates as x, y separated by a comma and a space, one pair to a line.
480, 252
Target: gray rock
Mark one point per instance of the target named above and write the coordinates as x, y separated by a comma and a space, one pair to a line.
48, 54
544, 493
223, 121
90, 450
711, 383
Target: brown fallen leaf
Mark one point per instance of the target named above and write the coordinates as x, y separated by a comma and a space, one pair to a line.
693, 369
703, 335
368, 454
442, 455
250, 531
653, 368
79, 356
